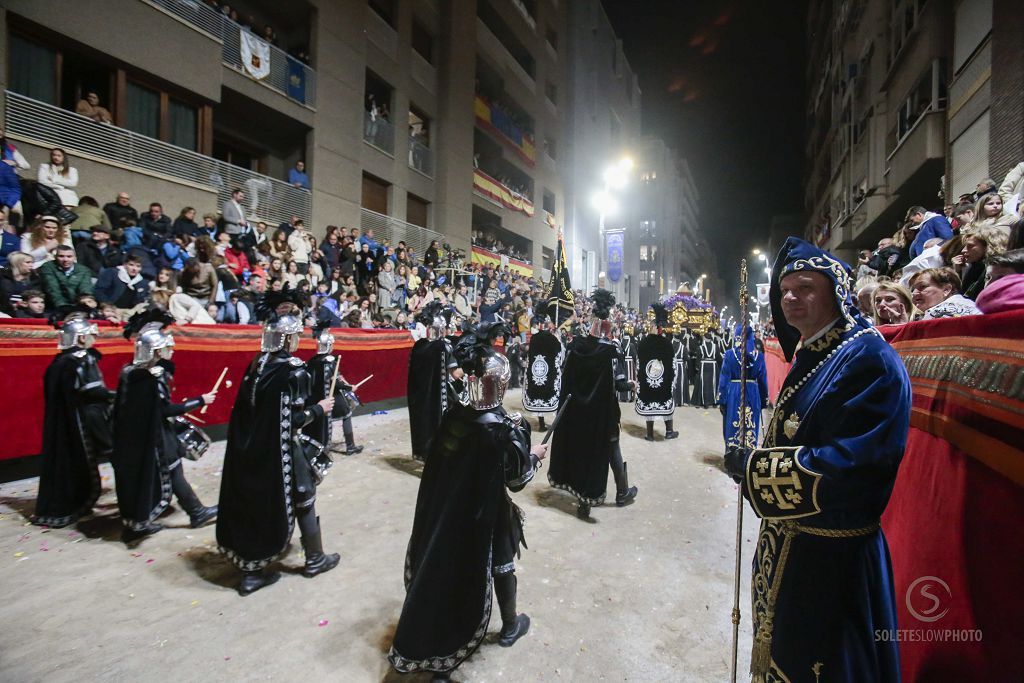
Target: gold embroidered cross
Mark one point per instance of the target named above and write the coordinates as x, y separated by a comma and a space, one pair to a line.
782, 482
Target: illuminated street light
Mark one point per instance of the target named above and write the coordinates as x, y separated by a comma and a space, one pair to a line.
616, 176
757, 252
605, 203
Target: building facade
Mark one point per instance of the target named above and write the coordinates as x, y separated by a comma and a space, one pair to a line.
425, 120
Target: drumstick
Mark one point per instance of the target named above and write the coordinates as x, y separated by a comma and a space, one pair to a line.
363, 382
215, 387
194, 418
334, 380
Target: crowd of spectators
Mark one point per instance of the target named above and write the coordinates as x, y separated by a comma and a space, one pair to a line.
965, 261
263, 30
487, 240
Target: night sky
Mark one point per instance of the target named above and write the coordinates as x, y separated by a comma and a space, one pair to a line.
723, 84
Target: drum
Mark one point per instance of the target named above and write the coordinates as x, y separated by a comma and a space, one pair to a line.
319, 458
192, 441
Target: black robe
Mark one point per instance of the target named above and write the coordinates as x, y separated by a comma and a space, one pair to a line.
582, 444
465, 531
76, 433
428, 391
321, 373
629, 357
266, 466
709, 364
684, 369
543, 373
656, 374
146, 446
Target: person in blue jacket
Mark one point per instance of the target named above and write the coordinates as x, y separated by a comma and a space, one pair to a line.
929, 226
755, 398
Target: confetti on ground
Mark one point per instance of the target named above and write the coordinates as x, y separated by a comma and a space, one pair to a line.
18, 554
195, 602
149, 561
323, 622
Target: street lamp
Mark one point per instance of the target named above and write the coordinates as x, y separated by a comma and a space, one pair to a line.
614, 177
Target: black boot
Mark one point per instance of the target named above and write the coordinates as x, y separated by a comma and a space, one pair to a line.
132, 535
540, 423
625, 494
350, 440
198, 514
253, 581
317, 562
650, 431
583, 510
669, 433
513, 626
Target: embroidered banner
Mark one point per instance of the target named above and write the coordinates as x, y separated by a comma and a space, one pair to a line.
255, 54
615, 241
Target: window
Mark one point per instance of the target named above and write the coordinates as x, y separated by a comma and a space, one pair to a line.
416, 210
547, 258
549, 202
182, 124
648, 177
375, 193
422, 41
551, 92
143, 113
33, 70
385, 9
643, 252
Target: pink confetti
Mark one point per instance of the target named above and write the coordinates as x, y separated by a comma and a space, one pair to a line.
136, 554
149, 561
323, 622
226, 659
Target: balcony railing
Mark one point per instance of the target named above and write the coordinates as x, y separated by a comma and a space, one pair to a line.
288, 76
421, 157
267, 199
379, 132
394, 231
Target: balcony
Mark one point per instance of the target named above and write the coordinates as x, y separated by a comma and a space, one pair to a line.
379, 133
287, 76
919, 149
498, 194
394, 231
41, 124
498, 123
421, 157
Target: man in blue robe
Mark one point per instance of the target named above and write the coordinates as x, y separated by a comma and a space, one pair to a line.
822, 580
755, 399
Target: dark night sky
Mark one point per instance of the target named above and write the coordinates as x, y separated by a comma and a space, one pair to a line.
723, 85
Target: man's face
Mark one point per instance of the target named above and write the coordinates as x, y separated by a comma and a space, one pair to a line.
35, 305
257, 284
155, 211
65, 258
123, 199
965, 216
92, 98
261, 227
917, 218
132, 268
100, 237
299, 166
238, 196
808, 301
885, 243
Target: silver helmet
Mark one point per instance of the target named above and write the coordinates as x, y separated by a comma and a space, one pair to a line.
438, 328
487, 389
151, 340
324, 338
281, 331
76, 332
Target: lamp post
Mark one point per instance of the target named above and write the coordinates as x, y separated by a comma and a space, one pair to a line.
615, 177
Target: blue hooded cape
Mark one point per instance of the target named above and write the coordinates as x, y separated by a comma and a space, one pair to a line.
755, 399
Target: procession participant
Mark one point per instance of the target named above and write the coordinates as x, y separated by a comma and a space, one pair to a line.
755, 397
543, 367
268, 482
76, 427
146, 457
587, 441
656, 375
627, 345
682, 347
708, 359
822, 579
321, 373
429, 385
466, 532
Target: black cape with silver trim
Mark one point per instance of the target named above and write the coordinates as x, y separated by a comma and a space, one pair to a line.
656, 374
428, 391
543, 372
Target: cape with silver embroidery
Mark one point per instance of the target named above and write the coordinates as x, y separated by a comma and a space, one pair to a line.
428, 392
543, 372
656, 375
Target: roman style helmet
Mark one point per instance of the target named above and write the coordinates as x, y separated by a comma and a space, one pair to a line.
281, 315
432, 317
76, 331
600, 325
324, 338
147, 326
487, 371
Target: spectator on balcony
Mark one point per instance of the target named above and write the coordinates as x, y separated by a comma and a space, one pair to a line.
988, 213
365, 267
936, 292
32, 305
97, 253
234, 216
156, 227
269, 35
1012, 189
89, 214
185, 223
16, 278
297, 176
926, 225
298, 244
123, 286
10, 183
63, 280
368, 239
60, 176
978, 245
121, 208
165, 279
90, 108
43, 238
10, 240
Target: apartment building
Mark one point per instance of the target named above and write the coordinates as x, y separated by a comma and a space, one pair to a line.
422, 120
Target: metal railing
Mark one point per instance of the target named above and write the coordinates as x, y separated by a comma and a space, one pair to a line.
266, 198
379, 132
288, 76
394, 231
421, 157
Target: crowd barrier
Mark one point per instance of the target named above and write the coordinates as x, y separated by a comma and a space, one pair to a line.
201, 353
953, 522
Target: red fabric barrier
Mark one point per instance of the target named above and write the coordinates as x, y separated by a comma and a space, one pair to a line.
201, 352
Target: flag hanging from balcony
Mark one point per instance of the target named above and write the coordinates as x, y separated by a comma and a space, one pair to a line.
560, 289
296, 80
255, 55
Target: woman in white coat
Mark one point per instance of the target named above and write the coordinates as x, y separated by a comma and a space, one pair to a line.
60, 176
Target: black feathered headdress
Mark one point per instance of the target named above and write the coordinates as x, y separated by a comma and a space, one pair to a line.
603, 303
429, 312
69, 312
476, 343
320, 326
266, 308
151, 314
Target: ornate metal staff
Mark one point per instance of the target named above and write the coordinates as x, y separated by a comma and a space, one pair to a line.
744, 322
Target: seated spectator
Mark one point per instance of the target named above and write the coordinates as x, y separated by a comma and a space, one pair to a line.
156, 227
935, 254
173, 253
98, 253
936, 292
963, 214
16, 279
131, 234
185, 223
1005, 288
892, 304
208, 228
32, 305
165, 279
865, 295
237, 261
184, 308
60, 176
121, 208
89, 214
926, 225
298, 244
63, 280
292, 277
278, 247
123, 286
236, 311
979, 244
297, 176
89, 107
198, 280
43, 238
110, 313
988, 213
